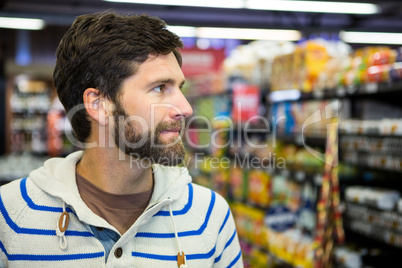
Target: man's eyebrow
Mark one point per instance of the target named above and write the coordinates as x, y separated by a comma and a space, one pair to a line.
165, 81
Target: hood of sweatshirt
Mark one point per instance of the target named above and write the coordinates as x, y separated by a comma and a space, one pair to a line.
57, 178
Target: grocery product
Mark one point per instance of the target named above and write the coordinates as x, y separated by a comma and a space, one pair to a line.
313, 65
383, 199
253, 62
348, 258
250, 224
292, 247
259, 189
238, 183
245, 102
300, 117
316, 58
220, 181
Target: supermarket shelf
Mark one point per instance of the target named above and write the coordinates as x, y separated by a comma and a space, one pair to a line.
258, 127
26, 130
374, 134
378, 145
250, 204
252, 161
373, 161
279, 263
276, 261
297, 173
396, 152
377, 254
374, 177
301, 175
31, 111
388, 239
296, 138
363, 166
346, 92
194, 97
16, 166
370, 212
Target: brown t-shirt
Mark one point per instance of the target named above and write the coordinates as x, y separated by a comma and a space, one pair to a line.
121, 211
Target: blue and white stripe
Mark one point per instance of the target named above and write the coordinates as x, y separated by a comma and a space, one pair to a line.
30, 208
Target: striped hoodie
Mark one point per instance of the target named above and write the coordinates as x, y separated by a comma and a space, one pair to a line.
181, 217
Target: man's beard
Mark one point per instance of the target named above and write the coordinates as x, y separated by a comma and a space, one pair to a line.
147, 146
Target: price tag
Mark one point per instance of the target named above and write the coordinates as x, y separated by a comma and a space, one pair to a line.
351, 89
300, 175
285, 173
318, 179
299, 139
340, 91
318, 94
371, 88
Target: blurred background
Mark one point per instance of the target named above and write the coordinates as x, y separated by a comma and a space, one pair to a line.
297, 116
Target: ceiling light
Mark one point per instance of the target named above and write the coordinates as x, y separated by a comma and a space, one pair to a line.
313, 6
195, 3
277, 5
236, 33
183, 31
21, 23
371, 38
248, 34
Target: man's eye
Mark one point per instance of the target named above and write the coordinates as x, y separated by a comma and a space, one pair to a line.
159, 89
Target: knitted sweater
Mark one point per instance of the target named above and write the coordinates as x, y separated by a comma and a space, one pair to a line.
181, 216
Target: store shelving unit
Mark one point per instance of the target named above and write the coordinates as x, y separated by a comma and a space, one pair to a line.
376, 156
34, 127
237, 184
368, 144
376, 161
30, 102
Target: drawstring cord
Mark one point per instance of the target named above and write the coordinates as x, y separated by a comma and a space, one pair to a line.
64, 221
181, 258
62, 227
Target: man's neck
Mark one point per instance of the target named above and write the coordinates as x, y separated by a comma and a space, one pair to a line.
103, 168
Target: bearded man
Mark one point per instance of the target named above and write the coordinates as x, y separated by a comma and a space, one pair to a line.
121, 201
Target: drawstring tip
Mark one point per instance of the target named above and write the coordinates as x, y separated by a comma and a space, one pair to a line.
181, 260
61, 227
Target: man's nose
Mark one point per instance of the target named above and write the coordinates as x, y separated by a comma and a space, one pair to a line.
182, 106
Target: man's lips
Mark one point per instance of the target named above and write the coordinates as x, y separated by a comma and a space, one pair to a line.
171, 130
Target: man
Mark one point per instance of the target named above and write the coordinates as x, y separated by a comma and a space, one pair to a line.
120, 202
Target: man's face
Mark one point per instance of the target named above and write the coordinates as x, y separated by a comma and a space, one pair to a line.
149, 117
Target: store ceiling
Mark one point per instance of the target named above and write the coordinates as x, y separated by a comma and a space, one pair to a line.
62, 12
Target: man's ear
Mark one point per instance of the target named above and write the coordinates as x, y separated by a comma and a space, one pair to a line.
95, 106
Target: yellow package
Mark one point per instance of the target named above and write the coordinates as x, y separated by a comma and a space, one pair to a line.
316, 57
259, 188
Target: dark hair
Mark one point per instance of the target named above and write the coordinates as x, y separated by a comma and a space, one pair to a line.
100, 51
